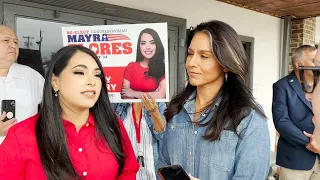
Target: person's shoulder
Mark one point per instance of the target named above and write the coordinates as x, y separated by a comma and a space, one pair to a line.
132, 64
254, 130
254, 121
284, 81
162, 105
26, 126
27, 70
22, 67
23, 134
281, 81
120, 108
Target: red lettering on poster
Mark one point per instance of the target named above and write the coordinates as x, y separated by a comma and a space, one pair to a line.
114, 77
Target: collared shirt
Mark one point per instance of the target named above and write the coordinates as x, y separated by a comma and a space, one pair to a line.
232, 157
20, 158
25, 86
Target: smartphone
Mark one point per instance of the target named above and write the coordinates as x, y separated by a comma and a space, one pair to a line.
8, 106
174, 172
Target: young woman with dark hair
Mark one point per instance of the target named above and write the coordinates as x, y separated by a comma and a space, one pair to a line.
76, 135
147, 74
215, 129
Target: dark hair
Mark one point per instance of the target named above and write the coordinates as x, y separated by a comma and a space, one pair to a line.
50, 131
236, 98
156, 63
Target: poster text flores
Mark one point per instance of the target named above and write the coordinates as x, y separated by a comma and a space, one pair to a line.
102, 44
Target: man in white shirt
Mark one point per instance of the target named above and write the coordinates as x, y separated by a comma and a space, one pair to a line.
17, 82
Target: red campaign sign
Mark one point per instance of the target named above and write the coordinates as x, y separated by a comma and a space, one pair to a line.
118, 46
114, 77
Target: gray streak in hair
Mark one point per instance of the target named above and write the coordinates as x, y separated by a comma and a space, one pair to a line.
299, 53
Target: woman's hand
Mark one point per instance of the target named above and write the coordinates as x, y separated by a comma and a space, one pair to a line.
127, 93
312, 146
149, 103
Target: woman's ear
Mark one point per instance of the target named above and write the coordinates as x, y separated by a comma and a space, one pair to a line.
225, 70
55, 83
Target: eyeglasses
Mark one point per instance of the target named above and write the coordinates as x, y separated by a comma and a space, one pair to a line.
309, 77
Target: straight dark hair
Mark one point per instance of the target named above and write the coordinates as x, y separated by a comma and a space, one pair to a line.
50, 131
237, 100
156, 63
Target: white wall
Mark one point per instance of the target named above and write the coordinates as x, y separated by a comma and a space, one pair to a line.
317, 39
265, 29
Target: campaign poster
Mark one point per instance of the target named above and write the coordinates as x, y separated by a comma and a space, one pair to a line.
134, 58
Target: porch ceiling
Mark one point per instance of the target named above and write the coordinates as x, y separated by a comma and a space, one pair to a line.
280, 8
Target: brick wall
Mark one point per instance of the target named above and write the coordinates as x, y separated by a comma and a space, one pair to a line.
302, 32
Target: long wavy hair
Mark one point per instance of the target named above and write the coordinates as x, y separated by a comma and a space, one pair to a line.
156, 63
50, 131
236, 97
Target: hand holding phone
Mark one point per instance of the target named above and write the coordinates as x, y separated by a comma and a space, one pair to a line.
173, 172
5, 126
8, 106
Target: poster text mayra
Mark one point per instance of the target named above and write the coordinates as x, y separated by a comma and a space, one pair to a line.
101, 44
